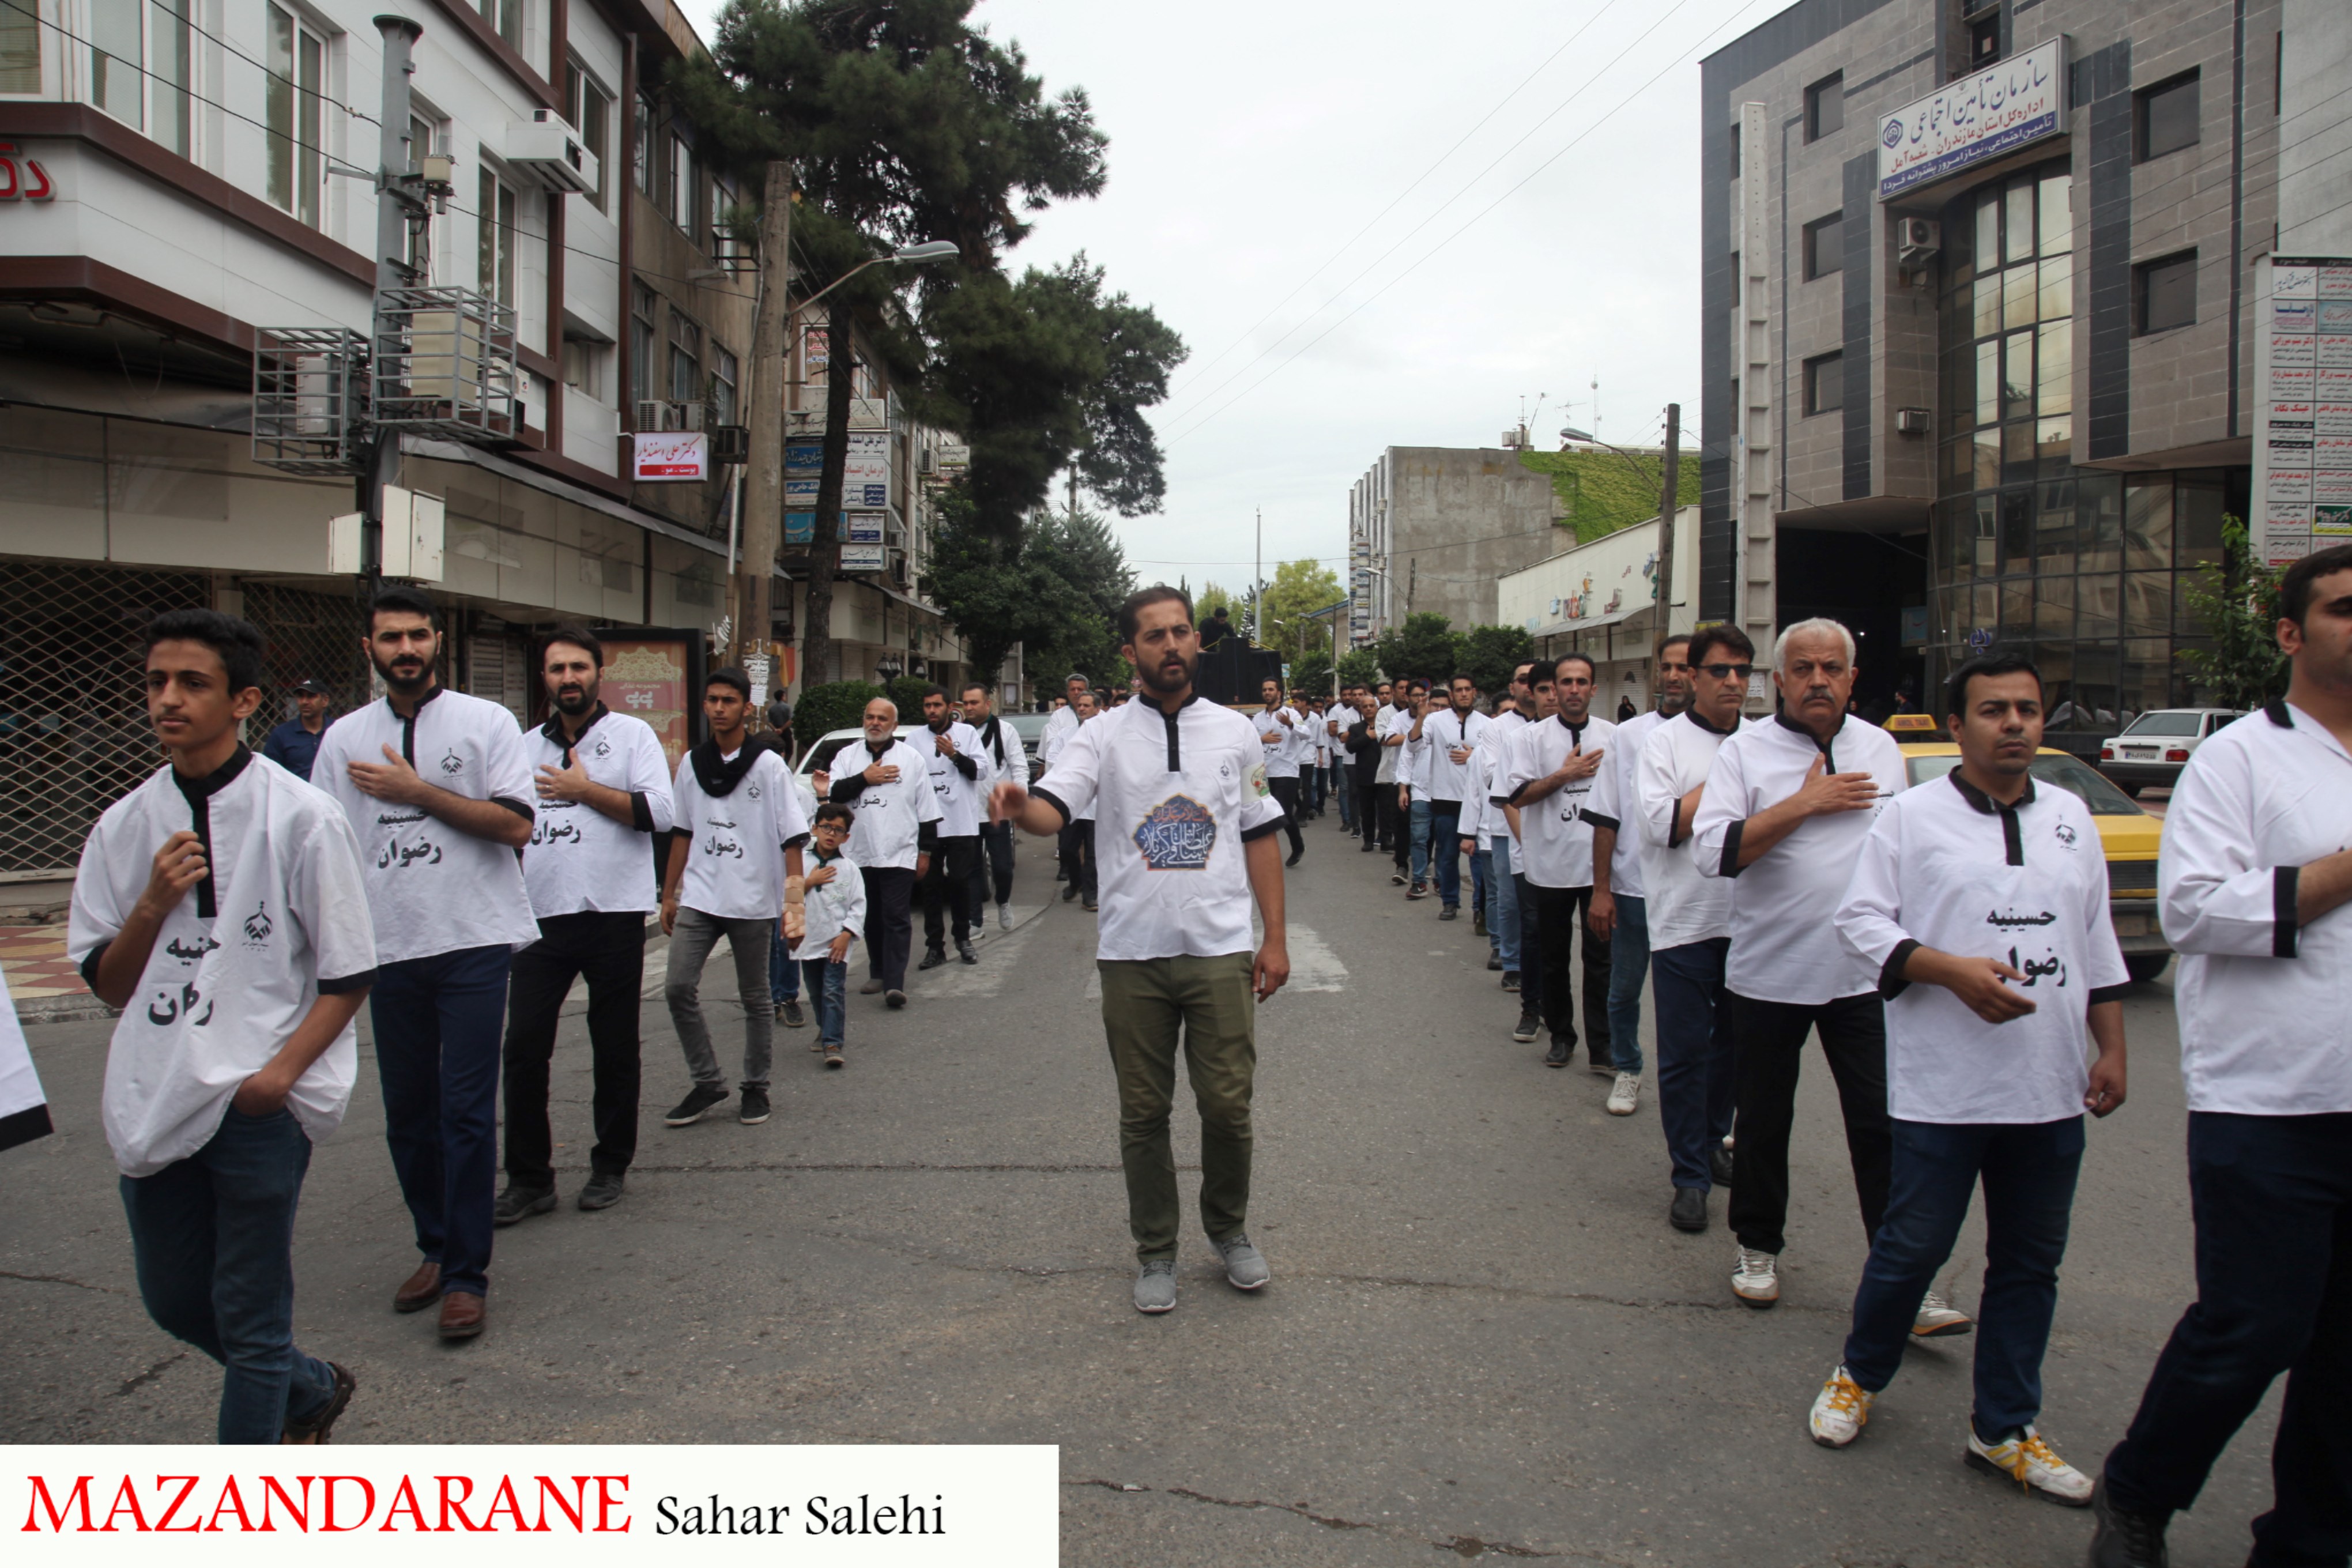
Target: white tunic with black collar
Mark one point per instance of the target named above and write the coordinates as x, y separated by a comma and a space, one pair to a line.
1555, 834
2263, 999
578, 859
1948, 868
1784, 941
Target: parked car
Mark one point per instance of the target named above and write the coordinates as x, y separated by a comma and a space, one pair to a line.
1030, 728
2156, 745
819, 757
2128, 837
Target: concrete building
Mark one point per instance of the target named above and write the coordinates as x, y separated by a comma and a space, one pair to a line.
1432, 528
1601, 599
1978, 303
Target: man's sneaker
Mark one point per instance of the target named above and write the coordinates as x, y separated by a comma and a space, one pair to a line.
755, 1109
2126, 1539
2026, 1459
1479, 921
869, 988
1600, 1069
698, 1098
1244, 1265
1494, 963
1296, 855
1396, 878
789, 1012
1625, 1094
1938, 1318
933, 957
894, 1000
521, 1203
964, 952
1524, 1031
1070, 891
1688, 1211
1510, 980
1840, 1411
1418, 890
1088, 904
833, 1055
1155, 1286
1561, 1054
1719, 1165
603, 1191
1756, 1277
1004, 916
1449, 912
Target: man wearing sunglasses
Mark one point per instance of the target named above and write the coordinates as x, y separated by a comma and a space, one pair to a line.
1689, 916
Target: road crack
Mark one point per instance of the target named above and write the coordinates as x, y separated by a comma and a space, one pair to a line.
855, 1166
1461, 1545
151, 1374
63, 1280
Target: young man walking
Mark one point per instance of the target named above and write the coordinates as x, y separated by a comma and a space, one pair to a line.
1619, 911
1529, 979
733, 859
1001, 755
1366, 758
1278, 734
439, 793
1412, 790
604, 793
898, 823
1084, 878
1547, 789
2253, 890
1493, 833
1453, 735
220, 907
1980, 901
1059, 728
960, 783
1181, 784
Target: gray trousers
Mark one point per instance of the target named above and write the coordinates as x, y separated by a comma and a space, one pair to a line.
690, 942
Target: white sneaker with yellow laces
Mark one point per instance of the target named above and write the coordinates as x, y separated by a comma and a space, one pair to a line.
1840, 1411
2029, 1461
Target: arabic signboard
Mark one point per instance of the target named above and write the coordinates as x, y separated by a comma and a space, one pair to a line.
1987, 115
865, 475
2302, 403
861, 558
645, 678
672, 457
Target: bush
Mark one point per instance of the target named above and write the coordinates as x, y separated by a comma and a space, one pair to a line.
906, 691
837, 705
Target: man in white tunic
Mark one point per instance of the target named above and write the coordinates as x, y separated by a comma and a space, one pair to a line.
960, 780
1546, 791
2254, 883
1621, 909
440, 795
888, 784
219, 905
1279, 728
1180, 789
604, 793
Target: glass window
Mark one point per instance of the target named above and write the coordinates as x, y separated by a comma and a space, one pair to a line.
1989, 231
2200, 505
685, 359
1825, 107
590, 109
20, 48
2167, 116
2057, 202
648, 170
644, 310
2147, 523
2147, 604
2017, 531
116, 56
2056, 295
2054, 375
1988, 454
1987, 305
1825, 383
584, 367
2018, 295
1986, 539
2054, 531
494, 223
2017, 454
2099, 514
1987, 383
1826, 246
2017, 375
682, 192
2164, 292
2053, 607
723, 373
2164, 723
505, 17
171, 59
291, 92
2017, 237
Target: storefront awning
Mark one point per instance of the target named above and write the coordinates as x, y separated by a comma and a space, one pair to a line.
1590, 624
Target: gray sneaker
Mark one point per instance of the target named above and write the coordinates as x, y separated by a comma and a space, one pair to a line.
1244, 1265
1004, 916
1155, 1286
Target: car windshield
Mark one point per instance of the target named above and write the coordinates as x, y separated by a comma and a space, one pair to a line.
2051, 768
1028, 726
819, 757
2168, 723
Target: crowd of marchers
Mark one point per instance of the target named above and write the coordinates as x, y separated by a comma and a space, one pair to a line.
1773, 880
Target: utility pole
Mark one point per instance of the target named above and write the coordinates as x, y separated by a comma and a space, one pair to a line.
1669, 494
399, 210
1257, 582
763, 488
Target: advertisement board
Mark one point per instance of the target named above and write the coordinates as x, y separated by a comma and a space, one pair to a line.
2302, 404
865, 475
862, 557
671, 456
861, 528
1989, 114
647, 678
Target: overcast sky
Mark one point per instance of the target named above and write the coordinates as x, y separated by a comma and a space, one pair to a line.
1255, 151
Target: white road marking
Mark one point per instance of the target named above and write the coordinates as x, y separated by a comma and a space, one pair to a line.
1313, 966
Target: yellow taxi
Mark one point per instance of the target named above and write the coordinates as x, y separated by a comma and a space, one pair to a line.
2129, 835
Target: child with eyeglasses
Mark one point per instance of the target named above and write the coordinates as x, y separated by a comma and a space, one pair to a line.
833, 917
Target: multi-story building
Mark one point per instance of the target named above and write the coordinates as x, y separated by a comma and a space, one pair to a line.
1979, 295
1432, 528
179, 181
1600, 599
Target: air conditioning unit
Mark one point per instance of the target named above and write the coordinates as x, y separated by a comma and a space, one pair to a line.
730, 444
657, 416
1918, 238
544, 149
924, 463
1913, 421
898, 569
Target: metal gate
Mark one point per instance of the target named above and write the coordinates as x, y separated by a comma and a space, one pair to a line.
74, 736
312, 637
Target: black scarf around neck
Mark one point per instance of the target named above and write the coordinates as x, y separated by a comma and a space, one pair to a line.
717, 778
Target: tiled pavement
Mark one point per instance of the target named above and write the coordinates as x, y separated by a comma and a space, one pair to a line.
42, 984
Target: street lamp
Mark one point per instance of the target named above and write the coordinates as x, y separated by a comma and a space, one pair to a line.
915, 255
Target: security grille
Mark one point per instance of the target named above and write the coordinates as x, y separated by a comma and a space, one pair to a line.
74, 737
312, 637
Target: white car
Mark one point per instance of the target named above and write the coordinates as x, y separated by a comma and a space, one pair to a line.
2156, 745
819, 757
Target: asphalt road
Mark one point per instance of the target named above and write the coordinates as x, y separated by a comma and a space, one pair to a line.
1481, 1338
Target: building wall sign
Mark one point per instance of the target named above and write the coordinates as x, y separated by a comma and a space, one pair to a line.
22, 179
2302, 404
672, 457
1988, 115
862, 558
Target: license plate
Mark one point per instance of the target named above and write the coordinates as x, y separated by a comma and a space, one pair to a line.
2138, 755
2132, 925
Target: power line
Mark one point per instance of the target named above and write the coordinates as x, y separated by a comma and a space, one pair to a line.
188, 22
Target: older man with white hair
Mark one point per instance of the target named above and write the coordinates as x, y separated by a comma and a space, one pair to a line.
1786, 809
897, 827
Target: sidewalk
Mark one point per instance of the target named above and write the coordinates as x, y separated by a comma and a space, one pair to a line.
42, 983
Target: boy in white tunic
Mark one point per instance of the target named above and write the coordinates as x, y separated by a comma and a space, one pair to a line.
437, 790
833, 914
219, 905
1980, 902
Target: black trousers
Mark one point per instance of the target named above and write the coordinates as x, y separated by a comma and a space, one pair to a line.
1285, 794
949, 881
1369, 818
609, 950
1560, 921
890, 921
1768, 1044
1065, 852
1082, 852
996, 857
1397, 828
1531, 924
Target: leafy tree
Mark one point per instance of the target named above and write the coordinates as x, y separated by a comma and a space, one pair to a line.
1213, 593
1299, 588
1311, 670
1425, 646
1357, 666
2237, 602
835, 705
1489, 654
998, 591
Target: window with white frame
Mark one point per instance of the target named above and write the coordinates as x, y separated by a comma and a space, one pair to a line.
685, 359
505, 17
682, 190
724, 374
644, 153
20, 45
644, 310
142, 63
589, 107
294, 92
495, 221
583, 365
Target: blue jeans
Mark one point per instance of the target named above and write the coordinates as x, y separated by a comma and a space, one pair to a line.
1343, 786
1629, 965
2029, 1171
1481, 887
1502, 902
212, 1237
1418, 833
1444, 831
1695, 1082
783, 975
437, 1025
828, 988
2272, 1196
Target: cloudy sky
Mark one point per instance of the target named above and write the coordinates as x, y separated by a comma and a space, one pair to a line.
1379, 224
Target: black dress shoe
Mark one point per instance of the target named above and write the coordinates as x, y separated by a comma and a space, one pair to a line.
964, 952
1069, 892
2126, 1539
1494, 962
1561, 1054
1689, 1211
1294, 857
932, 958
1719, 1165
